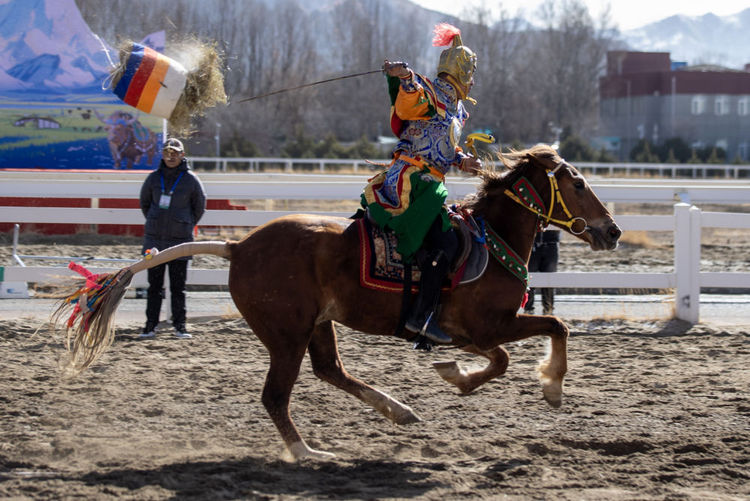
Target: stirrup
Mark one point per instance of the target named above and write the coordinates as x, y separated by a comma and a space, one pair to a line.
430, 330
421, 343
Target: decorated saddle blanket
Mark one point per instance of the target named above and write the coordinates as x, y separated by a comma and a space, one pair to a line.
382, 268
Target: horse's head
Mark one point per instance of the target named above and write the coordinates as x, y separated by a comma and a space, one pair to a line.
558, 194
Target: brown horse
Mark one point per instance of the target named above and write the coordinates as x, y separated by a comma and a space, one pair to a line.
293, 277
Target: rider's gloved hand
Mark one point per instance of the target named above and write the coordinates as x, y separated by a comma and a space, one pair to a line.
396, 69
470, 164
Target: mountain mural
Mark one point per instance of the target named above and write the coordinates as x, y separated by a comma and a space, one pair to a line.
45, 45
706, 39
54, 113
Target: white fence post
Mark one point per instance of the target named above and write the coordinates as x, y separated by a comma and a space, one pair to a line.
687, 249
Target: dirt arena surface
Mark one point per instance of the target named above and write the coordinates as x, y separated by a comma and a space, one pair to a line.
652, 410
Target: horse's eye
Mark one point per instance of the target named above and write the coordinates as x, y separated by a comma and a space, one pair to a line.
579, 184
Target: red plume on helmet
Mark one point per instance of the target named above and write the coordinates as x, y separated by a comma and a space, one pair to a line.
444, 34
457, 61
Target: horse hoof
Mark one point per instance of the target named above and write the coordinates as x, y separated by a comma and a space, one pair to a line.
407, 416
553, 397
300, 450
449, 371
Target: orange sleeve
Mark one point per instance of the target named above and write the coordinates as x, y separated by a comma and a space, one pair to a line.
412, 105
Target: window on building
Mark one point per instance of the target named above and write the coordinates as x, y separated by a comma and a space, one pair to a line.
743, 106
721, 105
743, 151
698, 105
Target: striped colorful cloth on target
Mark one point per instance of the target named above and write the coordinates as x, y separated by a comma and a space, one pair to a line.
151, 82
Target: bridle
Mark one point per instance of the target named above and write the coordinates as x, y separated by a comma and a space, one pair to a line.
556, 196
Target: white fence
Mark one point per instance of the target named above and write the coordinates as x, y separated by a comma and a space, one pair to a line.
259, 164
686, 222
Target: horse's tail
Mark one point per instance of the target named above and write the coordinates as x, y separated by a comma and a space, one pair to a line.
89, 311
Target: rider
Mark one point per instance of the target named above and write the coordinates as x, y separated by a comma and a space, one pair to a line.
427, 116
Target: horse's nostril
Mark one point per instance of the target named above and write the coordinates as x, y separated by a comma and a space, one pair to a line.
614, 232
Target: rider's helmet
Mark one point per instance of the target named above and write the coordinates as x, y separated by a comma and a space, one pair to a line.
458, 61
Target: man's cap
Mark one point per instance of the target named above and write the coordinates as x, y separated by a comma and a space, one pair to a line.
174, 144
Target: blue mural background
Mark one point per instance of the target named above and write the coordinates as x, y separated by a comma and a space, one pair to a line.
54, 113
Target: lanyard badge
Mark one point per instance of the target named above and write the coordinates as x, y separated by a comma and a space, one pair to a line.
164, 201
166, 198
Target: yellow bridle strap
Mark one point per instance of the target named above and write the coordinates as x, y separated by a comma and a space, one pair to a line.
554, 195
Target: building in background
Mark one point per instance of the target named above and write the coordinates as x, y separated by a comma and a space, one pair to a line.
645, 95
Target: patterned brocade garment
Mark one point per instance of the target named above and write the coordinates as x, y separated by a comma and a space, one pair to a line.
428, 118
433, 140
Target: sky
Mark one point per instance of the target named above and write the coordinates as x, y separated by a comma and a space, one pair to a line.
626, 14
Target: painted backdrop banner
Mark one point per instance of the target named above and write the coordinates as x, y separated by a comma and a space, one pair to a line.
54, 113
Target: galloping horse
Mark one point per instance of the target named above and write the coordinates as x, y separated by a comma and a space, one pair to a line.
293, 277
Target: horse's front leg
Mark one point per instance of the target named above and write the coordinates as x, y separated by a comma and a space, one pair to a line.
554, 366
551, 369
468, 381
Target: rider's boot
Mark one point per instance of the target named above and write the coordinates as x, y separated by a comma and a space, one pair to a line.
423, 317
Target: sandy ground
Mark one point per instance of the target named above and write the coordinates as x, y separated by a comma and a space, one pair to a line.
653, 410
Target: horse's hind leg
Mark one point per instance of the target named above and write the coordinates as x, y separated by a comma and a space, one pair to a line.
327, 365
282, 374
468, 381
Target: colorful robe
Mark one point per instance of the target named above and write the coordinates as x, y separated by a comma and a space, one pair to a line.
428, 119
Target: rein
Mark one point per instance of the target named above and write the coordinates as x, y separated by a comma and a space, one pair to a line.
556, 195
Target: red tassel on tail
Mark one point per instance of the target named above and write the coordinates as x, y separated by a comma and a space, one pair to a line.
91, 278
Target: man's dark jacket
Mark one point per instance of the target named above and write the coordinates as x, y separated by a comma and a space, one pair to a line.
167, 227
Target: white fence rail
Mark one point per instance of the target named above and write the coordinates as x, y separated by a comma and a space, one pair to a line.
686, 223
259, 164
345, 187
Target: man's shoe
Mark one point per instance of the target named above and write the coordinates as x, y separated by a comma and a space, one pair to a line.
181, 332
436, 334
149, 331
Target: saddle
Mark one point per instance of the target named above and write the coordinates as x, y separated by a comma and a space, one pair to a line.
382, 267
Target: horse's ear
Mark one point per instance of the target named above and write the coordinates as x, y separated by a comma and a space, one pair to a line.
539, 159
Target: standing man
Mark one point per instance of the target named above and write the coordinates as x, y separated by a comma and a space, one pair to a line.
544, 256
173, 201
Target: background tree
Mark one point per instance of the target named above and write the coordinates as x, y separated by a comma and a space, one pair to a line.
642, 153
675, 148
567, 58
527, 76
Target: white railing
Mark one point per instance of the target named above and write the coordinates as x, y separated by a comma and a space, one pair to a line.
686, 223
686, 278
234, 186
259, 164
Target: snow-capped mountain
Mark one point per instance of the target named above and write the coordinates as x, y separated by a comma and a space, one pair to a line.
46, 44
707, 39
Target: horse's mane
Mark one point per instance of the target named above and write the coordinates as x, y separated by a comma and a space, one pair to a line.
494, 182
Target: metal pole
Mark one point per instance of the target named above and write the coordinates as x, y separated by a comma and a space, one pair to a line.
16, 228
217, 137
